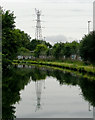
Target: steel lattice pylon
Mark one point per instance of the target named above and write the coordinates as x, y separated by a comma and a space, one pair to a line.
38, 86
38, 33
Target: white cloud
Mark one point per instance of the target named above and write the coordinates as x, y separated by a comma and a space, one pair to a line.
55, 39
59, 38
62, 17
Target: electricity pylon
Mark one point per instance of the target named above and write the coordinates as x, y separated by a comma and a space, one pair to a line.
38, 32
38, 85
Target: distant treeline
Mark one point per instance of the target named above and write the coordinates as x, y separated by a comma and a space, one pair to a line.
18, 43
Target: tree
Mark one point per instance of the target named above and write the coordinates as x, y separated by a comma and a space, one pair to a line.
49, 52
87, 47
58, 50
12, 39
8, 20
24, 38
8, 41
74, 47
34, 43
8, 34
67, 50
40, 50
24, 51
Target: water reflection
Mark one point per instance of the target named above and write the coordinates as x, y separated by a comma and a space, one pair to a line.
38, 86
15, 79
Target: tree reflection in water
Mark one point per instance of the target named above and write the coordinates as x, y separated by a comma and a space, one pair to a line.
16, 78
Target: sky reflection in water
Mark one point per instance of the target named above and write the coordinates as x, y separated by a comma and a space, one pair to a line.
48, 93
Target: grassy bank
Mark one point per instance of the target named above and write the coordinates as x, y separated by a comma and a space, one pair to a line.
71, 66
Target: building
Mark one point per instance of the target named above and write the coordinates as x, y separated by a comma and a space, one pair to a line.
94, 15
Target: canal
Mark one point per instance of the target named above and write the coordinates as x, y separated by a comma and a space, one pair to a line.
43, 92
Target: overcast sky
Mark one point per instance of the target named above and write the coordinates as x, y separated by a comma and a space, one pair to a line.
64, 20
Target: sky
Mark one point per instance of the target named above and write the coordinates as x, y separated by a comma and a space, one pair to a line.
62, 20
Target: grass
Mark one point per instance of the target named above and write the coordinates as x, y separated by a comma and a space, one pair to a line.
74, 66
86, 75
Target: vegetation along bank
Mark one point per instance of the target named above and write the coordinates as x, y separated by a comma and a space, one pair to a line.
72, 66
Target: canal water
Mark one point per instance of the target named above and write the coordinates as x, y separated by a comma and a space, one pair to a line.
42, 92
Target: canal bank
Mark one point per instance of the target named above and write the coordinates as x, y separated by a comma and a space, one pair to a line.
84, 70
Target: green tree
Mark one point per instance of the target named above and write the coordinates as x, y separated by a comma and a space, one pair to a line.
49, 52
12, 39
8, 20
40, 50
75, 47
67, 50
24, 51
34, 43
8, 41
58, 50
24, 38
87, 47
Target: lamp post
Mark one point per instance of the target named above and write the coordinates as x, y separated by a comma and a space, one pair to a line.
89, 26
